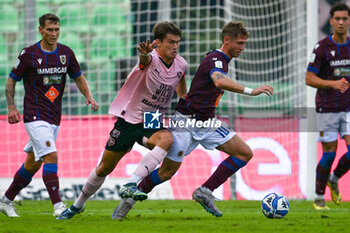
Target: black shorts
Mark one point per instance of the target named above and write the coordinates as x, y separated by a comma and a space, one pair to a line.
124, 135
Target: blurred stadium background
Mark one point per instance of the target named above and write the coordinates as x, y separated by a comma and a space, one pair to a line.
104, 35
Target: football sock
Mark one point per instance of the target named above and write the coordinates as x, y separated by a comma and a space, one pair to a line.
51, 182
21, 179
149, 182
134, 179
93, 183
333, 178
150, 161
225, 170
343, 165
323, 170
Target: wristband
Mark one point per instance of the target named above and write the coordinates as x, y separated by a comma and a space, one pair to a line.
144, 54
247, 91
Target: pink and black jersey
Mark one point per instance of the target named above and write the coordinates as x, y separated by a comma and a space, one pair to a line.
149, 88
331, 61
44, 77
203, 97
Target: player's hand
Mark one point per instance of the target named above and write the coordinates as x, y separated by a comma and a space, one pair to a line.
13, 115
94, 104
146, 47
342, 85
267, 89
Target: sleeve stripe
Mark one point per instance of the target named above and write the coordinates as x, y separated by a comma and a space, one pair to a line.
76, 75
313, 69
15, 77
217, 69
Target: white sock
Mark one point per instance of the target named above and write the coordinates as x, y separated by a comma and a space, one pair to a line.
333, 178
57, 205
93, 183
150, 161
134, 178
4, 199
320, 196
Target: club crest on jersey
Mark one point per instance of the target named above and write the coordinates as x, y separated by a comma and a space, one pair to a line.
63, 59
179, 74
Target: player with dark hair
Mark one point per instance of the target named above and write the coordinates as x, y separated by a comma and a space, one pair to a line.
328, 71
43, 68
199, 104
149, 88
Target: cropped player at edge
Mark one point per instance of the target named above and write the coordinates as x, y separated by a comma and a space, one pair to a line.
329, 72
43, 68
149, 88
200, 103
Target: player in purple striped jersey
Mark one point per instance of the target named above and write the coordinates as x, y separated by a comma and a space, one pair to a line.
199, 104
43, 68
329, 72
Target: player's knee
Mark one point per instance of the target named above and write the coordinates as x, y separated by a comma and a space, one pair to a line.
103, 171
166, 140
32, 167
247, 153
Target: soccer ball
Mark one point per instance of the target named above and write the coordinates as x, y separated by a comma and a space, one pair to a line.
275, 205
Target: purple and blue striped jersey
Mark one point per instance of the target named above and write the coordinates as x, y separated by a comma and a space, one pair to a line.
201, 101
44, 77
331, 61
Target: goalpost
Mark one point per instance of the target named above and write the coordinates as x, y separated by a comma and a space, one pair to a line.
104, 35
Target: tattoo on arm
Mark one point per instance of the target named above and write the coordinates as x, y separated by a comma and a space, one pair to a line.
218, 76
10, 92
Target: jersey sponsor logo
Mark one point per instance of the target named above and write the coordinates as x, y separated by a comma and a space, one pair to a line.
151, 120
17, 63
54, 79
342, 71
218, 64
52, 70
52, 94
155, 106
343, 62
63, 59
333, 53
163, 94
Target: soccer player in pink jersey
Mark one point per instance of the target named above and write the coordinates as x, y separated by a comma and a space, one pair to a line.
199, 104
43, 68
329, 72
149, 88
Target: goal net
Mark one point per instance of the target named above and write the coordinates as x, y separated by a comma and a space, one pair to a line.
104, 35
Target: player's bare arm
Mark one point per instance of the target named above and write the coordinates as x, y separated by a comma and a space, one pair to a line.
222, 81
313, 80
13, 114
181, 88
145, 48
85, 90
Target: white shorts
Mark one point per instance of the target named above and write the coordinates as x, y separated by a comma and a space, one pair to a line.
188, 138
42, 138
332, 123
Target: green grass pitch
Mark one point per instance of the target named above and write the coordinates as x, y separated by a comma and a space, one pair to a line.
178, 216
